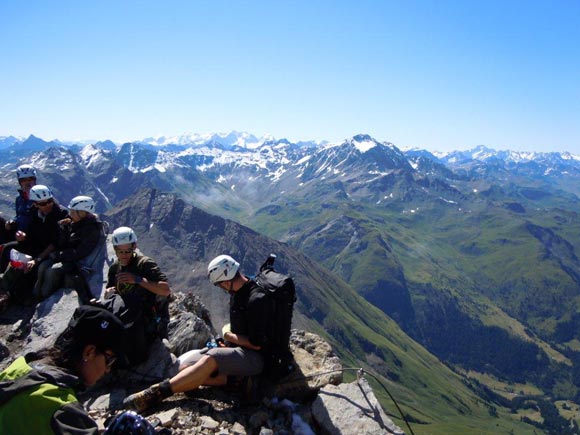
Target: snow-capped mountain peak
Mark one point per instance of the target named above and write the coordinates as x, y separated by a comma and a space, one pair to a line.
228, 140
363, 142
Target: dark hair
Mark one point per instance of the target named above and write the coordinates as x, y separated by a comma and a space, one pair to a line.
66, 352
89, 325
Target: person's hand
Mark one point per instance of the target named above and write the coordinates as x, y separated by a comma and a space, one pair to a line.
128, 278
109, 292
29, 266
65, 221
20, 236
9, 225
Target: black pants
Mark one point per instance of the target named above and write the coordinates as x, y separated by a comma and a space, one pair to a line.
19, 284
138, 342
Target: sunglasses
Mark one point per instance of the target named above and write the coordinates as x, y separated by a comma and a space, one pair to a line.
43, 203
109, 359
124, 251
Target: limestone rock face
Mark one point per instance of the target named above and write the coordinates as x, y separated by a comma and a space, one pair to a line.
351, 409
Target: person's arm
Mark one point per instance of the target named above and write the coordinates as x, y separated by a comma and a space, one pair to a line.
148, 276
85, 242
160, 288
240, 340
45, 253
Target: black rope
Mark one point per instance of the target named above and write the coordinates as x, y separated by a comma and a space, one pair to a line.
392, 398
360, 371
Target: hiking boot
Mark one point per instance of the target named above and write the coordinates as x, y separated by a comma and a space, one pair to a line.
148, 397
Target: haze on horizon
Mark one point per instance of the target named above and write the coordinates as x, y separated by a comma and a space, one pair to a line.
435, 75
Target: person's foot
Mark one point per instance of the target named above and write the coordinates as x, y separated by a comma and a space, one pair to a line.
142, 400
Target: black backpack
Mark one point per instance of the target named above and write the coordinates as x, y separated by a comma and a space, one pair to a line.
281, 288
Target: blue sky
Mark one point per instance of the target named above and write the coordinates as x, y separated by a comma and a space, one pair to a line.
439, 75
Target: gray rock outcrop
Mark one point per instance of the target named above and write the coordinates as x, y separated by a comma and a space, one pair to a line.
188, 329
50, 319
311, 400
352, 408
316, 366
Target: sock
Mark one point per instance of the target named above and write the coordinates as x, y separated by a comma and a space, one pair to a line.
165, 389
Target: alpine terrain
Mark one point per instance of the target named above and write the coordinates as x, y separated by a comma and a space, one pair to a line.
452, 276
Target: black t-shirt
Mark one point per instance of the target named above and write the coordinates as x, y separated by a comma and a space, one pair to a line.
252, 314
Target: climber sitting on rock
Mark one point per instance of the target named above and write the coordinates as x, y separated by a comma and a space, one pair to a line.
26, 176
144, 291
80, 255
248, 341
37, 242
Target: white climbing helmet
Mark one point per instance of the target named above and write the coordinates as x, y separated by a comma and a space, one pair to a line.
82, 203
25, 171
40, 192
123, 236
222, 268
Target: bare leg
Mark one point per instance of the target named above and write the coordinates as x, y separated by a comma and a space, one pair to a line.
186, 380
198, 374
216, 381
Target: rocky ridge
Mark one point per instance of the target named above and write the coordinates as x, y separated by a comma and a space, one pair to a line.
312, 400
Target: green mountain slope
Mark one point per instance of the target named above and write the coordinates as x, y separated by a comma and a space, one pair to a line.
493, 285
183, 239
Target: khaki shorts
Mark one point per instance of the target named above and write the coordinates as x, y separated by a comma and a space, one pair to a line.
231, 361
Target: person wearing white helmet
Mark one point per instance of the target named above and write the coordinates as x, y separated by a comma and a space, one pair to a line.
222, 268
246, 344
141, 284
79, 256
39, 240
26, 176
43, 231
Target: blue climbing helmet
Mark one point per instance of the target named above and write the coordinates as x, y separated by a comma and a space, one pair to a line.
129, 423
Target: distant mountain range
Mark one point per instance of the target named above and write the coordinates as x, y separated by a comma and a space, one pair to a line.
472, 253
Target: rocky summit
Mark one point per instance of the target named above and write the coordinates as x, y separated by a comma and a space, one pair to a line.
311, 400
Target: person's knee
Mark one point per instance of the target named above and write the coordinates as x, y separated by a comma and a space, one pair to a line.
209, 363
